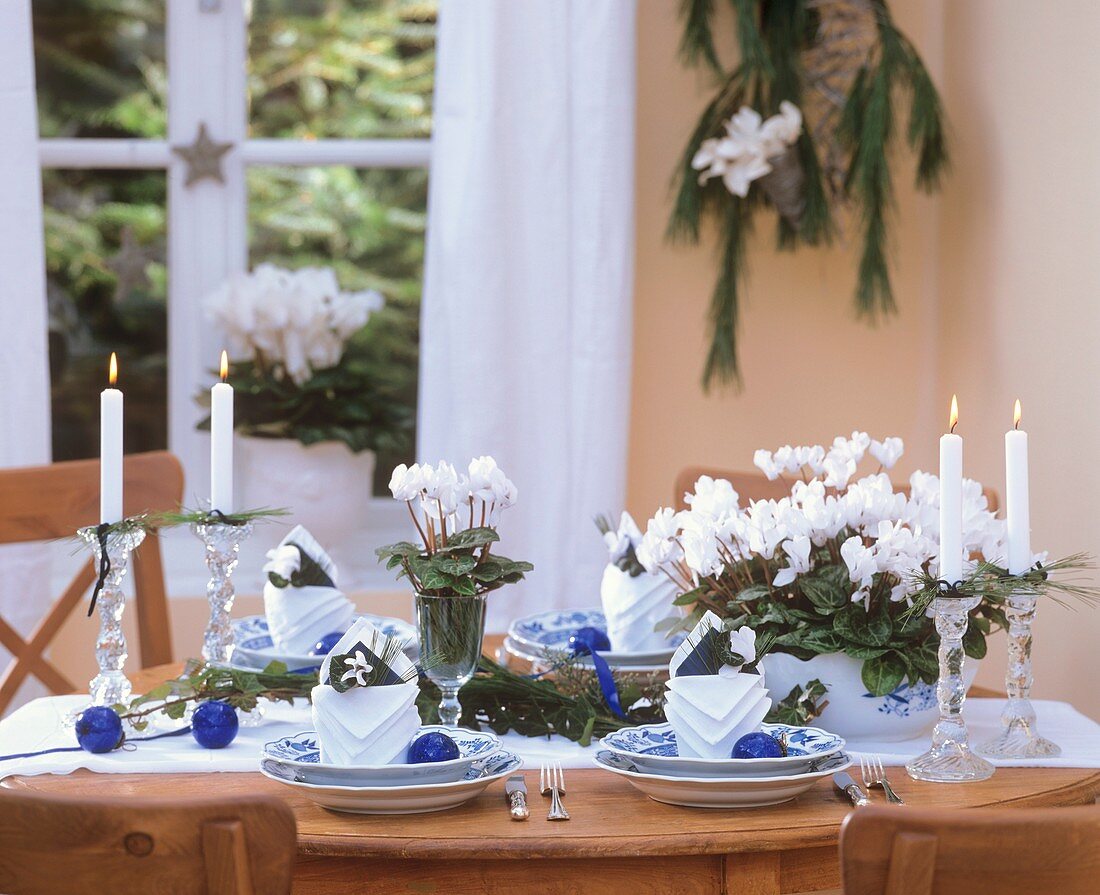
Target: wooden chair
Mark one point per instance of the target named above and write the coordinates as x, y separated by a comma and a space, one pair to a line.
756, 486
53, 844
908, 851
43, 503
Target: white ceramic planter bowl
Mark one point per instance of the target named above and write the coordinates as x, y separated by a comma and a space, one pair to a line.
852, 712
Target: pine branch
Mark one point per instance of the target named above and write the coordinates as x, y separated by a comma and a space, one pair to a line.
722, 362
697, 42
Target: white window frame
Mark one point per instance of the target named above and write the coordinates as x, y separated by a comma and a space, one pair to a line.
206, 45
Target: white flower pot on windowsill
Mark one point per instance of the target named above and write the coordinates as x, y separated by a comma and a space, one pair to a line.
325, 487
852, 712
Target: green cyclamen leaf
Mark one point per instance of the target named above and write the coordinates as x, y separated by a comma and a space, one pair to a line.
883, 674
825, 595
856, 626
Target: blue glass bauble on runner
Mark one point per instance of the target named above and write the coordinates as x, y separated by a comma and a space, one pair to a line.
758, 745
214, 724
588, 640
431, 747
325, 645
99, 729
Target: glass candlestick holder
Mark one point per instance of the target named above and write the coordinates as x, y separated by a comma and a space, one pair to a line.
951, 760
111, 548
1019, 737
223, 545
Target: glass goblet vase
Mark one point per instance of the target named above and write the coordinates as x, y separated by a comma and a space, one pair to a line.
951, 760
1019, 737
451, 629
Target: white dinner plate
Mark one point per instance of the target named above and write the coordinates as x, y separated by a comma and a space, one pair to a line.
544, 634
417, 799
254, 647
720, 792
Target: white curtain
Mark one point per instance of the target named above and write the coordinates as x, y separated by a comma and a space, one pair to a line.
526, 322
24, 368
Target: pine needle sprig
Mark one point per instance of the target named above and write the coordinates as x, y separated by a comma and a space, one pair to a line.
697, 43
184, 516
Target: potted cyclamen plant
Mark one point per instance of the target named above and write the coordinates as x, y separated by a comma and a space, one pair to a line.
316, 395
452, 565
828, 575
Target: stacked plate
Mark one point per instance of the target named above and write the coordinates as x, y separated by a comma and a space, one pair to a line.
255, 648
647, 757
295, 761
540, 639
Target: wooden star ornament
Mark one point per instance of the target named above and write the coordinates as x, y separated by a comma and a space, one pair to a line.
203, 157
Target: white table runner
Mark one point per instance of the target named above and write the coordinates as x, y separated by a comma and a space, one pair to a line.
41, 725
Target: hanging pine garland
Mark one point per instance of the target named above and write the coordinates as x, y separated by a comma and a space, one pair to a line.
804, 125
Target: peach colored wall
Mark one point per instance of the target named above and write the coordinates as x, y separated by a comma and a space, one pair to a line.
995, 280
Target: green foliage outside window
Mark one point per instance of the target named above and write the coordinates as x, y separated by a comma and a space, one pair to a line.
317, 69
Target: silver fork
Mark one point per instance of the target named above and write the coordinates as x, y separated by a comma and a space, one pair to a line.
874, 774
552, 783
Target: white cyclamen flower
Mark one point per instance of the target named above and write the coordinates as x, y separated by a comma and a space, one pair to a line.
407, 482
798, 560
888, 451
283, 561
743, 643
659, 544
713, 498
359, 667
766, 463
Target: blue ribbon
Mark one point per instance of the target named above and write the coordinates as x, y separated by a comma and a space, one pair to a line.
156, 736
588, 642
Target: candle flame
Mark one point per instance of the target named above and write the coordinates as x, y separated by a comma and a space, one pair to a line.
225, 366
1016, 414
954, 418
112, 369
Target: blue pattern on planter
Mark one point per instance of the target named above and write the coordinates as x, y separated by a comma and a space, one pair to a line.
907, 698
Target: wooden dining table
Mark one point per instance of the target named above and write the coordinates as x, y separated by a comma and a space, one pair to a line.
618, 842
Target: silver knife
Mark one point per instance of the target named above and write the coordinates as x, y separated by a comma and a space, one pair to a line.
843, 781
516, 791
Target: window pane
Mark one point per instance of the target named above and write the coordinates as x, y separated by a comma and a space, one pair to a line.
341, 68
106, 286
368, 225
100, 68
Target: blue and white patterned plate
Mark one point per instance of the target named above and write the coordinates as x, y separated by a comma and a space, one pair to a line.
721, 792
544, 633
413, 799
301, 753
652, 747
254, 646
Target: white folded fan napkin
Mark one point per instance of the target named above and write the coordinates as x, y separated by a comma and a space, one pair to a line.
310, 605
711, 704
632, 606
366, 725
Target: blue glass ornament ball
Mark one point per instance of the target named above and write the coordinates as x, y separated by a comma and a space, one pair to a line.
434, 746
99, 729
757, 745
214, 724
326, 644
588, 640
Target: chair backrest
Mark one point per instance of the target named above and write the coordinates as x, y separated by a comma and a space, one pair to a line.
51, 843
756, 486
908, 851
42, 503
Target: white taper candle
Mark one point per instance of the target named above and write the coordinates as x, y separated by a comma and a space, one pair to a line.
221, 443
951, 548
1017, 504
110, 449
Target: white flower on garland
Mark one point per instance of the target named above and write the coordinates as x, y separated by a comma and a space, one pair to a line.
358, 668
283, 561
295, 321
743, 154
743, 643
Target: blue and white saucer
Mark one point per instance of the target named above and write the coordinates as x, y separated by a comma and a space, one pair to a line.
255, 649
652, 747
539, 636
409, 799
301, 756
721, 792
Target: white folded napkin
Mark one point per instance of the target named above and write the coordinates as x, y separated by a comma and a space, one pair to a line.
370, 724
634, 600
711, 703
633, 605
301, 600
